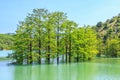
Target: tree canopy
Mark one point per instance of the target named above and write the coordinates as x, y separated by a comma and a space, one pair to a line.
50, 35
46, 37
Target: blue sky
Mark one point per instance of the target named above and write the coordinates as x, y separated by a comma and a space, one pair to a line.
87, 12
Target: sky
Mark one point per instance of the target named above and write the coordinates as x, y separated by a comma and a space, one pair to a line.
83, 12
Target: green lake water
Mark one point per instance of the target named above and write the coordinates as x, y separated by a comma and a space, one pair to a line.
97, 69
100, 69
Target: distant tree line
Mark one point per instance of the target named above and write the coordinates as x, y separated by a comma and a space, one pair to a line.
6, 41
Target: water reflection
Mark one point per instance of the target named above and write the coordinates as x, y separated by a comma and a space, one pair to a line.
77, 71
103, 70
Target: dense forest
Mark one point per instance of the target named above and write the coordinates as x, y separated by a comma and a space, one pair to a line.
45, 35
108, 34
6, 41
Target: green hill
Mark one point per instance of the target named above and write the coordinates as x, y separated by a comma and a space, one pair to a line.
6, 41
108, 34
109, 29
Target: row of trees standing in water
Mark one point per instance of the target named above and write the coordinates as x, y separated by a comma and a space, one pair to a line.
50, 35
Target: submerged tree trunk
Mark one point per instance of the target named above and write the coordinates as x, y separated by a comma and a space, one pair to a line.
69, 49
77, 56
31, 53
30, 50
48, 46
66, 52
39, 51
58, 45
48, 54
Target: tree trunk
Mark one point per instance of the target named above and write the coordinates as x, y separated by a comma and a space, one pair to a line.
39, 51
58, 45
69, 49
77, 56
66, 52
48, 46
30, 49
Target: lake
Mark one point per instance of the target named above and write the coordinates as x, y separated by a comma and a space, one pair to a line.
97, 69
4, 53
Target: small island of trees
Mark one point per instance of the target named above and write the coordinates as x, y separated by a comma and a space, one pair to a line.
48, 37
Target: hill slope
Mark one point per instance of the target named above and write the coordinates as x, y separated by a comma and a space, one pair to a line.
109, 37
109, 29
6, 41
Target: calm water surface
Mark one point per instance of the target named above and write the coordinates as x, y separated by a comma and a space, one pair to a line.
98, 69
4, 53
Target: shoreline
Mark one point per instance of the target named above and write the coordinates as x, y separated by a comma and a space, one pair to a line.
4, 58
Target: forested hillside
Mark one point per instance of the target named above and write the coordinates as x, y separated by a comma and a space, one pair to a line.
109, 29
6, 41
109, 36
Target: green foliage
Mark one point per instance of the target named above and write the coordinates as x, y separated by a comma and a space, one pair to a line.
47, 35
113, 48
50, 35
109, 36
84, 43
99, 24
6, 41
